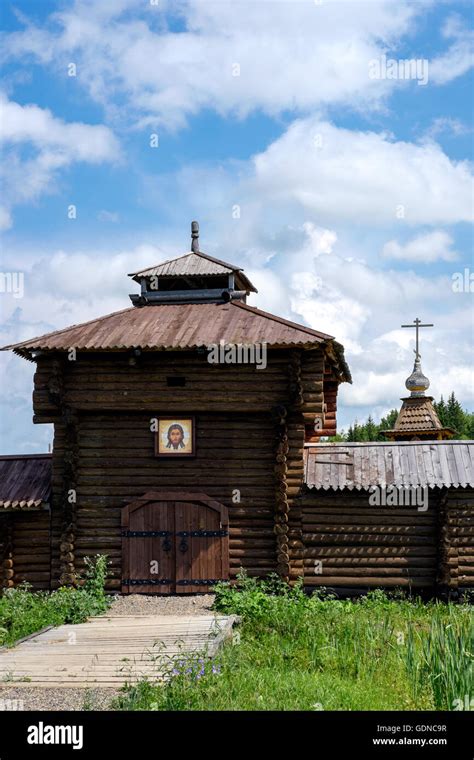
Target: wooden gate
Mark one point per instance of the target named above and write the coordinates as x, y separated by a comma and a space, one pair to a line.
174, 542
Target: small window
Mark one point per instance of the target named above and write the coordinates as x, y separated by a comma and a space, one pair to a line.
176, 382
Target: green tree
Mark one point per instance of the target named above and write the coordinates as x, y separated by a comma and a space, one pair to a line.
370, 429
456, 416
469, 429
450, 413
442, 411
387, 423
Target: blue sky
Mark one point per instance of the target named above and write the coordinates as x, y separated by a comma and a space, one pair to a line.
347, 198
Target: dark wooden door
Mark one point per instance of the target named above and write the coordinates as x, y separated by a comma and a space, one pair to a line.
174, 543
151, 548
199, 547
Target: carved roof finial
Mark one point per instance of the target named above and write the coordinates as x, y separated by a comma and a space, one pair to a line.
195, 237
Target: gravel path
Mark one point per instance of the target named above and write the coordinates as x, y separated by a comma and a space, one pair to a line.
37, 698
140, 604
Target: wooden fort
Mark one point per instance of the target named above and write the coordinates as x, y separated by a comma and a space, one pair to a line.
187, 446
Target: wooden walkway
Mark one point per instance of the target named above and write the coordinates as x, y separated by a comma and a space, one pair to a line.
109, 651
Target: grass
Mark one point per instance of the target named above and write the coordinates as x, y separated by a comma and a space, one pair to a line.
23, 612
295, 652
442, 657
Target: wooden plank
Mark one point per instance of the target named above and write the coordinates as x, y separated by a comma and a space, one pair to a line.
110, 650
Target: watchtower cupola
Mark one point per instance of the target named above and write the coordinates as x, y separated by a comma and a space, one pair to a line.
194, 277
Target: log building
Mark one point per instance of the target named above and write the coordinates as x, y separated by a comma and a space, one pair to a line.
187, 445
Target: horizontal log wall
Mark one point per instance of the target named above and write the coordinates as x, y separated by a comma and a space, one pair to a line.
348, 542
116, 463
458, 536
355, 545
108, 382
25, 549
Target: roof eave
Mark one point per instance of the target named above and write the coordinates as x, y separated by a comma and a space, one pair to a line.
411, 433
336, 353
245, 283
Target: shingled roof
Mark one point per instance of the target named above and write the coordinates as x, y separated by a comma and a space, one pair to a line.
25, 481
418, 418
195, 264
406, 463
181, 326
187, 309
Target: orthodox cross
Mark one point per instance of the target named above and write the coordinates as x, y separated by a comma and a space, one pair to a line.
417, 324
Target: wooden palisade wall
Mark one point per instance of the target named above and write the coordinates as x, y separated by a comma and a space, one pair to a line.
350, 544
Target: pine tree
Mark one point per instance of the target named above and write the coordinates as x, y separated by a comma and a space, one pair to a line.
469, 427
455, 415
387, 423
442, 411
370, 429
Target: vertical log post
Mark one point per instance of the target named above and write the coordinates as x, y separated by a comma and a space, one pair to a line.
294, 475
295, 386
55, 384
281, 502
447, 559
68, 499
8, 565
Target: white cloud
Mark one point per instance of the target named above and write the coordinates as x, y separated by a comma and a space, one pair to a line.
55, 143
459, 58
449, 126
320, 241
69, 140
363, 307
273, 295
380, 370
363, 177
295, 56
433, 246
335, 314
79, 285
290, 55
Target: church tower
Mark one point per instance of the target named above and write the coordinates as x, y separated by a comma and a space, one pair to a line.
417, 418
